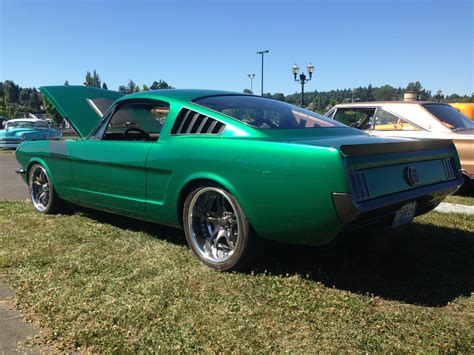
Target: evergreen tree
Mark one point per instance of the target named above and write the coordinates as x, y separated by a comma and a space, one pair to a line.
160, 85
92, 79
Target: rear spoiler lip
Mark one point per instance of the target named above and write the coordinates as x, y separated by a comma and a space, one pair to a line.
355, 150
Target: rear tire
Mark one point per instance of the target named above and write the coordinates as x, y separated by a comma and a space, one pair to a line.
42, 194
217, 229
467, 188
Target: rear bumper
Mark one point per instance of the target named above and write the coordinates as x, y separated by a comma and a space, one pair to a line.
381, 210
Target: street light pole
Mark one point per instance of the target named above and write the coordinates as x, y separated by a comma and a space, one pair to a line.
251, 76
262, 53
302, 78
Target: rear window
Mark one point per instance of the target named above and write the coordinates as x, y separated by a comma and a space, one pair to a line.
450, 117
266, 113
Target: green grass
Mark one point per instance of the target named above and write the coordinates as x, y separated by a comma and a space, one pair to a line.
103, 283
462, 200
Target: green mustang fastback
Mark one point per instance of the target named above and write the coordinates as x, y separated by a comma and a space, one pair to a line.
228, 167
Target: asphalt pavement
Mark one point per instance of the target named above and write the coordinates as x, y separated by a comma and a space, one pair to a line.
12, 187
14, 330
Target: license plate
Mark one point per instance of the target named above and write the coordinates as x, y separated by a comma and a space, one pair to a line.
404, 215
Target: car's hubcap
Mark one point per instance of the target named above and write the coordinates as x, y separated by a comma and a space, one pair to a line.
213, 225
40, 188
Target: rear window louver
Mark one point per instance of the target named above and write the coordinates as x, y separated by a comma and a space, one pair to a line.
359, 186
192, 122
449, 170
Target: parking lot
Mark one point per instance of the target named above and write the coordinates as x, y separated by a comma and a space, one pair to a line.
12, 186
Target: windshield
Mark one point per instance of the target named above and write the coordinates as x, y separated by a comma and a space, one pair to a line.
266, 113
450, 117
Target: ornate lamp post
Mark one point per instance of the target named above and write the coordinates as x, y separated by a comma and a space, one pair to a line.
302, 78
262, 53
251, 76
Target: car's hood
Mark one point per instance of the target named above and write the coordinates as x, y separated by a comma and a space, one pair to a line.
81, 106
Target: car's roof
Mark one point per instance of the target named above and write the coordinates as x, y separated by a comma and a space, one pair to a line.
27, 120
179, 94
379, 103
413, 111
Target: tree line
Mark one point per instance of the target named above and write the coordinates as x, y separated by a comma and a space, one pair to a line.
14, 99
322, 101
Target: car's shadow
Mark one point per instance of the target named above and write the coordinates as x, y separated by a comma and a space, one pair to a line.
420, 264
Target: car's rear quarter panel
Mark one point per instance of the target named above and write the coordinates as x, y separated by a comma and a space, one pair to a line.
285, 189
465, 148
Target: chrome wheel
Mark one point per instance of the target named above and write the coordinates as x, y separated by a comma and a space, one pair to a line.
213, 225
41, 189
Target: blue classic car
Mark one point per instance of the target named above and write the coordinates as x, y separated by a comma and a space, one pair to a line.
26, 129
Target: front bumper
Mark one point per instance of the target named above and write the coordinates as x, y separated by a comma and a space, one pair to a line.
381, 211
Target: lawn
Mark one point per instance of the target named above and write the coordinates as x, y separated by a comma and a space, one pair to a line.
462, 200
103, 283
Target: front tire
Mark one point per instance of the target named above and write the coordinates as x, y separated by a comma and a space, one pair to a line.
217, 229
42, 194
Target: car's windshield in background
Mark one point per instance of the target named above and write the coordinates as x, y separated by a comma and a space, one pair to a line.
450, 117
266, 113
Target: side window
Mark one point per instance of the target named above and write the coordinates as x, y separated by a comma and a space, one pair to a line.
41, 125
136, 121
386, 121
355, 117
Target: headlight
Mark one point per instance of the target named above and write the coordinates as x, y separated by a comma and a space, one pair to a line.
23, 137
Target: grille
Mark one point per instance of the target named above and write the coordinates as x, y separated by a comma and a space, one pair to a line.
359, 186
192, 122
449, 169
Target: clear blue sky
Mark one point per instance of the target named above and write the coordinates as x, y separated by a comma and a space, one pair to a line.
212, 44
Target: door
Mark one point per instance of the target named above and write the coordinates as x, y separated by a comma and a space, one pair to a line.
109, 168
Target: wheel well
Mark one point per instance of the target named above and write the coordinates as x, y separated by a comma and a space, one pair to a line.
186, 190
29, 168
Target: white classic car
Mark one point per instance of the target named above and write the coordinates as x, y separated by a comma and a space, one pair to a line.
413, 120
